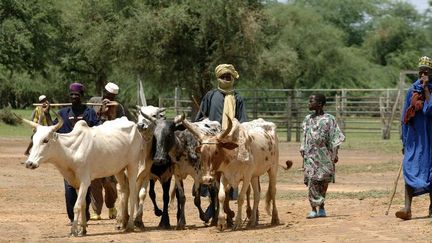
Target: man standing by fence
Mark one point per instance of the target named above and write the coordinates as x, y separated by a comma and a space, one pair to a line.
417, 139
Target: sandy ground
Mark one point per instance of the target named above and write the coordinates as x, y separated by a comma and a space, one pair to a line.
32, 207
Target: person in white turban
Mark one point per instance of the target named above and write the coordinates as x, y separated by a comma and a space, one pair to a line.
105, 113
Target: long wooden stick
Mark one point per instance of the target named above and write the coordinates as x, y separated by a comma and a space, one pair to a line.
394, 188
68, 104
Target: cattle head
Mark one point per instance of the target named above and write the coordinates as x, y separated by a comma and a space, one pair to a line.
43, 140
212, 148
148, 114
163, 138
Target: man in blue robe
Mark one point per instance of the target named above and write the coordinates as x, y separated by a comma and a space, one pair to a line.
417, 139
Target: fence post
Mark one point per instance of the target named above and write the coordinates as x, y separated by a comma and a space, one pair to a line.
160, 101
383, 113
177, 100
289, 116
296, 102
255, 104
344, 108
339, 111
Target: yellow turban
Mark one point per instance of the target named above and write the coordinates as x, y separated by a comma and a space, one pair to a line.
226, 68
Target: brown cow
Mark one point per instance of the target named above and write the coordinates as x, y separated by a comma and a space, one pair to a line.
242, 152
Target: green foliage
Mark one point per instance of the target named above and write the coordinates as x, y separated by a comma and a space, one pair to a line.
45, 45
7, 117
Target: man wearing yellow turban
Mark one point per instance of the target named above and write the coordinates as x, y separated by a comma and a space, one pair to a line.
223, 100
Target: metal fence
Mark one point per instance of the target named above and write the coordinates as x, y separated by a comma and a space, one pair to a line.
356, 110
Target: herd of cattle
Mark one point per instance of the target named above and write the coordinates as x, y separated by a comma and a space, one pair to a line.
158, 149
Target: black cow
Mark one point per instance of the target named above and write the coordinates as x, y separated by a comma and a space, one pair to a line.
174, 152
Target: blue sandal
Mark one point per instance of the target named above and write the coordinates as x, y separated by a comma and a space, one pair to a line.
322, 212
312, 214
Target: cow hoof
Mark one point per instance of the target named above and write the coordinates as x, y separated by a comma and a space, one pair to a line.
164, 226
139, 225
158, 212
119, 226
252, 224
204, 218
82, 232
275, 221
74, 232
221, 227
237, 226
248, 212
180, 227
214, 222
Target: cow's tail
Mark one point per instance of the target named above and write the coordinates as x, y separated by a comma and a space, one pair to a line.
268, 201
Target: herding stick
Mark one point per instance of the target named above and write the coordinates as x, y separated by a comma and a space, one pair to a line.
69, 104
394, 188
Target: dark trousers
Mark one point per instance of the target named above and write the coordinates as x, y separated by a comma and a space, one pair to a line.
71, 197
97, 199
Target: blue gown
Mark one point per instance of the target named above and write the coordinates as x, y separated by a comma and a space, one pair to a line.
417, 141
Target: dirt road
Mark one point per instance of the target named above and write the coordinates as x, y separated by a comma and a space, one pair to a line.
32, 207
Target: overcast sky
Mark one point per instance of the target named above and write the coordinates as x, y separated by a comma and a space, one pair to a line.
420, 5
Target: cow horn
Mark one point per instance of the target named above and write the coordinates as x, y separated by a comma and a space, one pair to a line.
152, 119
195, 132
59, 123
227, 130
28, 122
179, 118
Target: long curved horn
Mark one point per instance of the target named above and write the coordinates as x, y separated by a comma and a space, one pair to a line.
152, 119
59, 124
28, 122
227, 130
195, 132
179, 118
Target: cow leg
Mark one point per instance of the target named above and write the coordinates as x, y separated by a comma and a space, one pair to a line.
254, 216
214, 204
142, 183
122, 188
230, 214
79, 209
197, 201
152, 195
271, 195
164, 223
240, 201
223, 187
181, 200
248, 206
132, 176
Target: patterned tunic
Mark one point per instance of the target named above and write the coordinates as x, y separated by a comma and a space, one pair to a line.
321, 136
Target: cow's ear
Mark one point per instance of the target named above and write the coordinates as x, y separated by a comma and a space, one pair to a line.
229, 145
198, 149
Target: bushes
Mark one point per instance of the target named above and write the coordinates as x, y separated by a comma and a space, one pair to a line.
8, 117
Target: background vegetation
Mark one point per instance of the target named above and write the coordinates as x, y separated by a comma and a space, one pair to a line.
45, 45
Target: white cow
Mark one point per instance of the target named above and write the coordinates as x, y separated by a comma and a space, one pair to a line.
240, 153
88, 153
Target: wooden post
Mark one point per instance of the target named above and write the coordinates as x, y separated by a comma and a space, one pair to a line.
297, 107
338, 111
402, 76
343, 103
289, 117
255, 104
177, 100
383, 114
